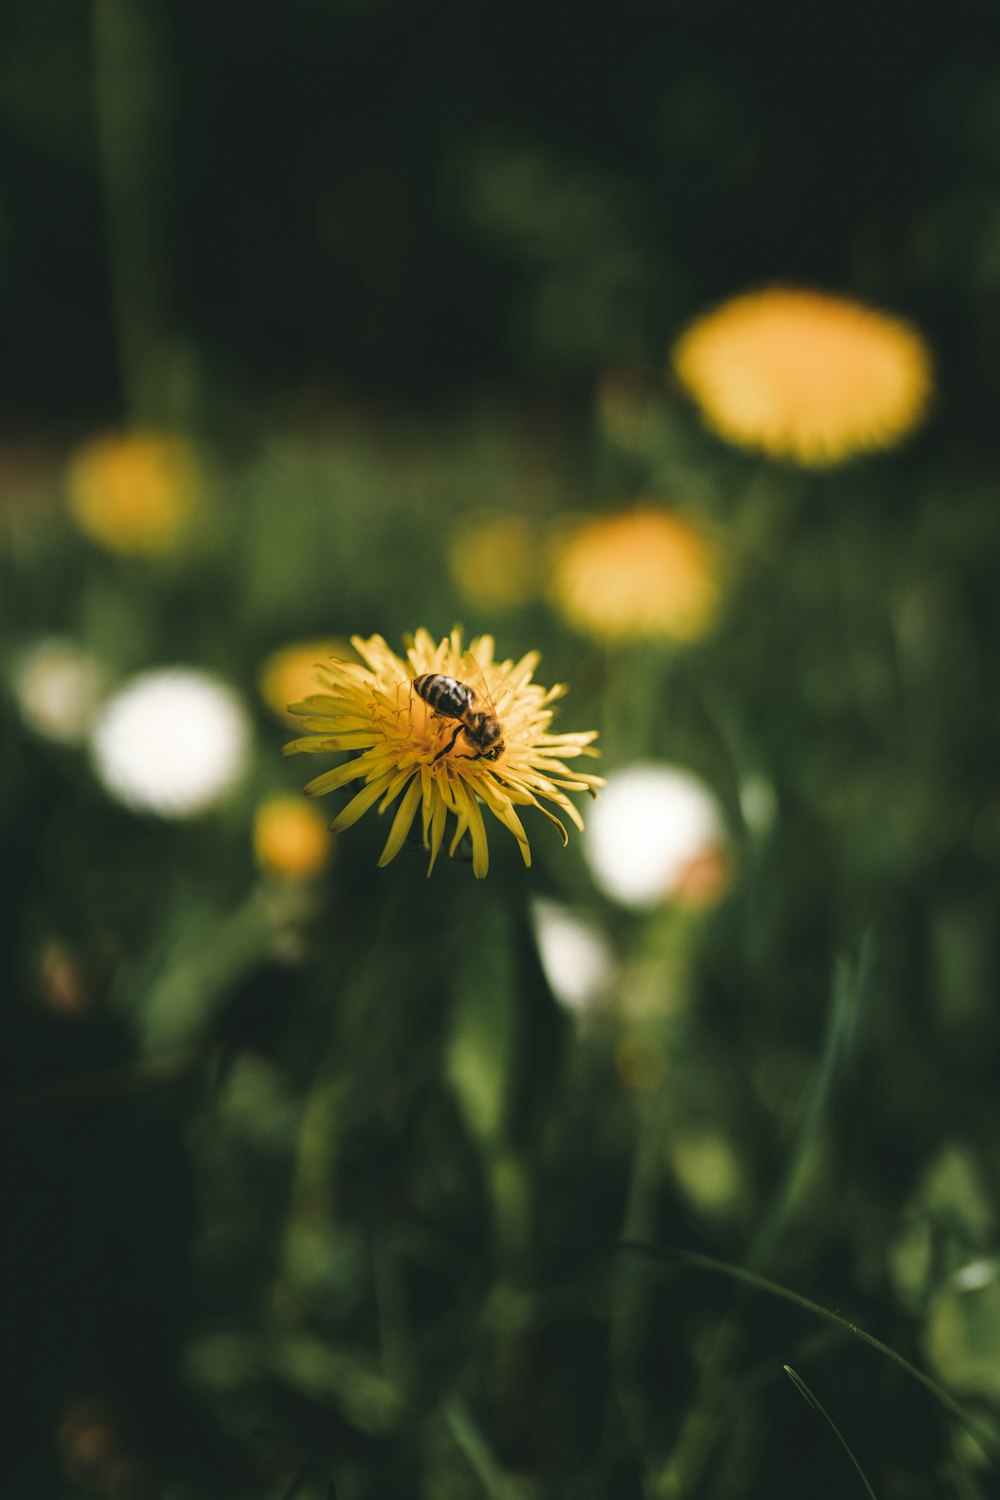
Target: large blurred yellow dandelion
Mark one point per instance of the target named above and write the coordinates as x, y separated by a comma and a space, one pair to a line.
646, 573
135, 492
805, 375
442, 765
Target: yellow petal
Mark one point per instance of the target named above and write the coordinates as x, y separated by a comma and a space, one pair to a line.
352, 770
552, 819
401, 822
518, 675
461, 824
360, 804
438, 818
315, 703
339, 739
501, 807
427, 803
396, 785
480, 847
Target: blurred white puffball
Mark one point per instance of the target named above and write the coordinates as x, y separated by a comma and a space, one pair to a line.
649, 823
58, 686
171, 742
575, 956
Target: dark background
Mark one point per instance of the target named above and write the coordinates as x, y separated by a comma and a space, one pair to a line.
329, 212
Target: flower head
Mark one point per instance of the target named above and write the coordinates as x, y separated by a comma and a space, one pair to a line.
658, 835
805, 375
494, 560
171, 741
408, 750
642, 574
289, 838
58, 686
135, 493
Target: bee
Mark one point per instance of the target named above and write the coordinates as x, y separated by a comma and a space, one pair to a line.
454, 700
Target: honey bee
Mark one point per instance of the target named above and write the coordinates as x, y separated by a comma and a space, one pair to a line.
454, 700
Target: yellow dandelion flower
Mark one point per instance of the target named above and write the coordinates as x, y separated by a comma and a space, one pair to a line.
644, 574
494, 561
805, 375
430, 760
135, 492
290, 838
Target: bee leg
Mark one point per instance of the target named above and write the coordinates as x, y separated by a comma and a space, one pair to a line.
450, 743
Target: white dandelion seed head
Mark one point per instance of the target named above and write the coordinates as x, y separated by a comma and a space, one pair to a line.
171, 742
648, 824
58, 687
576, 957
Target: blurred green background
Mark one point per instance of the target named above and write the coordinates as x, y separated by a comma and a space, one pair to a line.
338, 317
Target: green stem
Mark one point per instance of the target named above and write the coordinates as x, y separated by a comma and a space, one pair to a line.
814, 1402
472, 1443
983, 1437
131, 103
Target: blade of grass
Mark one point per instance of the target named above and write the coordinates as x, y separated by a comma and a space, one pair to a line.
817, 1405
848, 1003
985, 1439
472, 1443
132, 96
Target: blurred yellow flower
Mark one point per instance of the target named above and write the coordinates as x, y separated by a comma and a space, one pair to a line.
643, 574
407, 748
290, 838
289, 674
135, 492
495, 561
805, 375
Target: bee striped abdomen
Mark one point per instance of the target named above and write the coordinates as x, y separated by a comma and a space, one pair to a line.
445, 695
452, 699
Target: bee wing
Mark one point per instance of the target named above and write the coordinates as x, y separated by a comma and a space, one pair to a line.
476, 679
